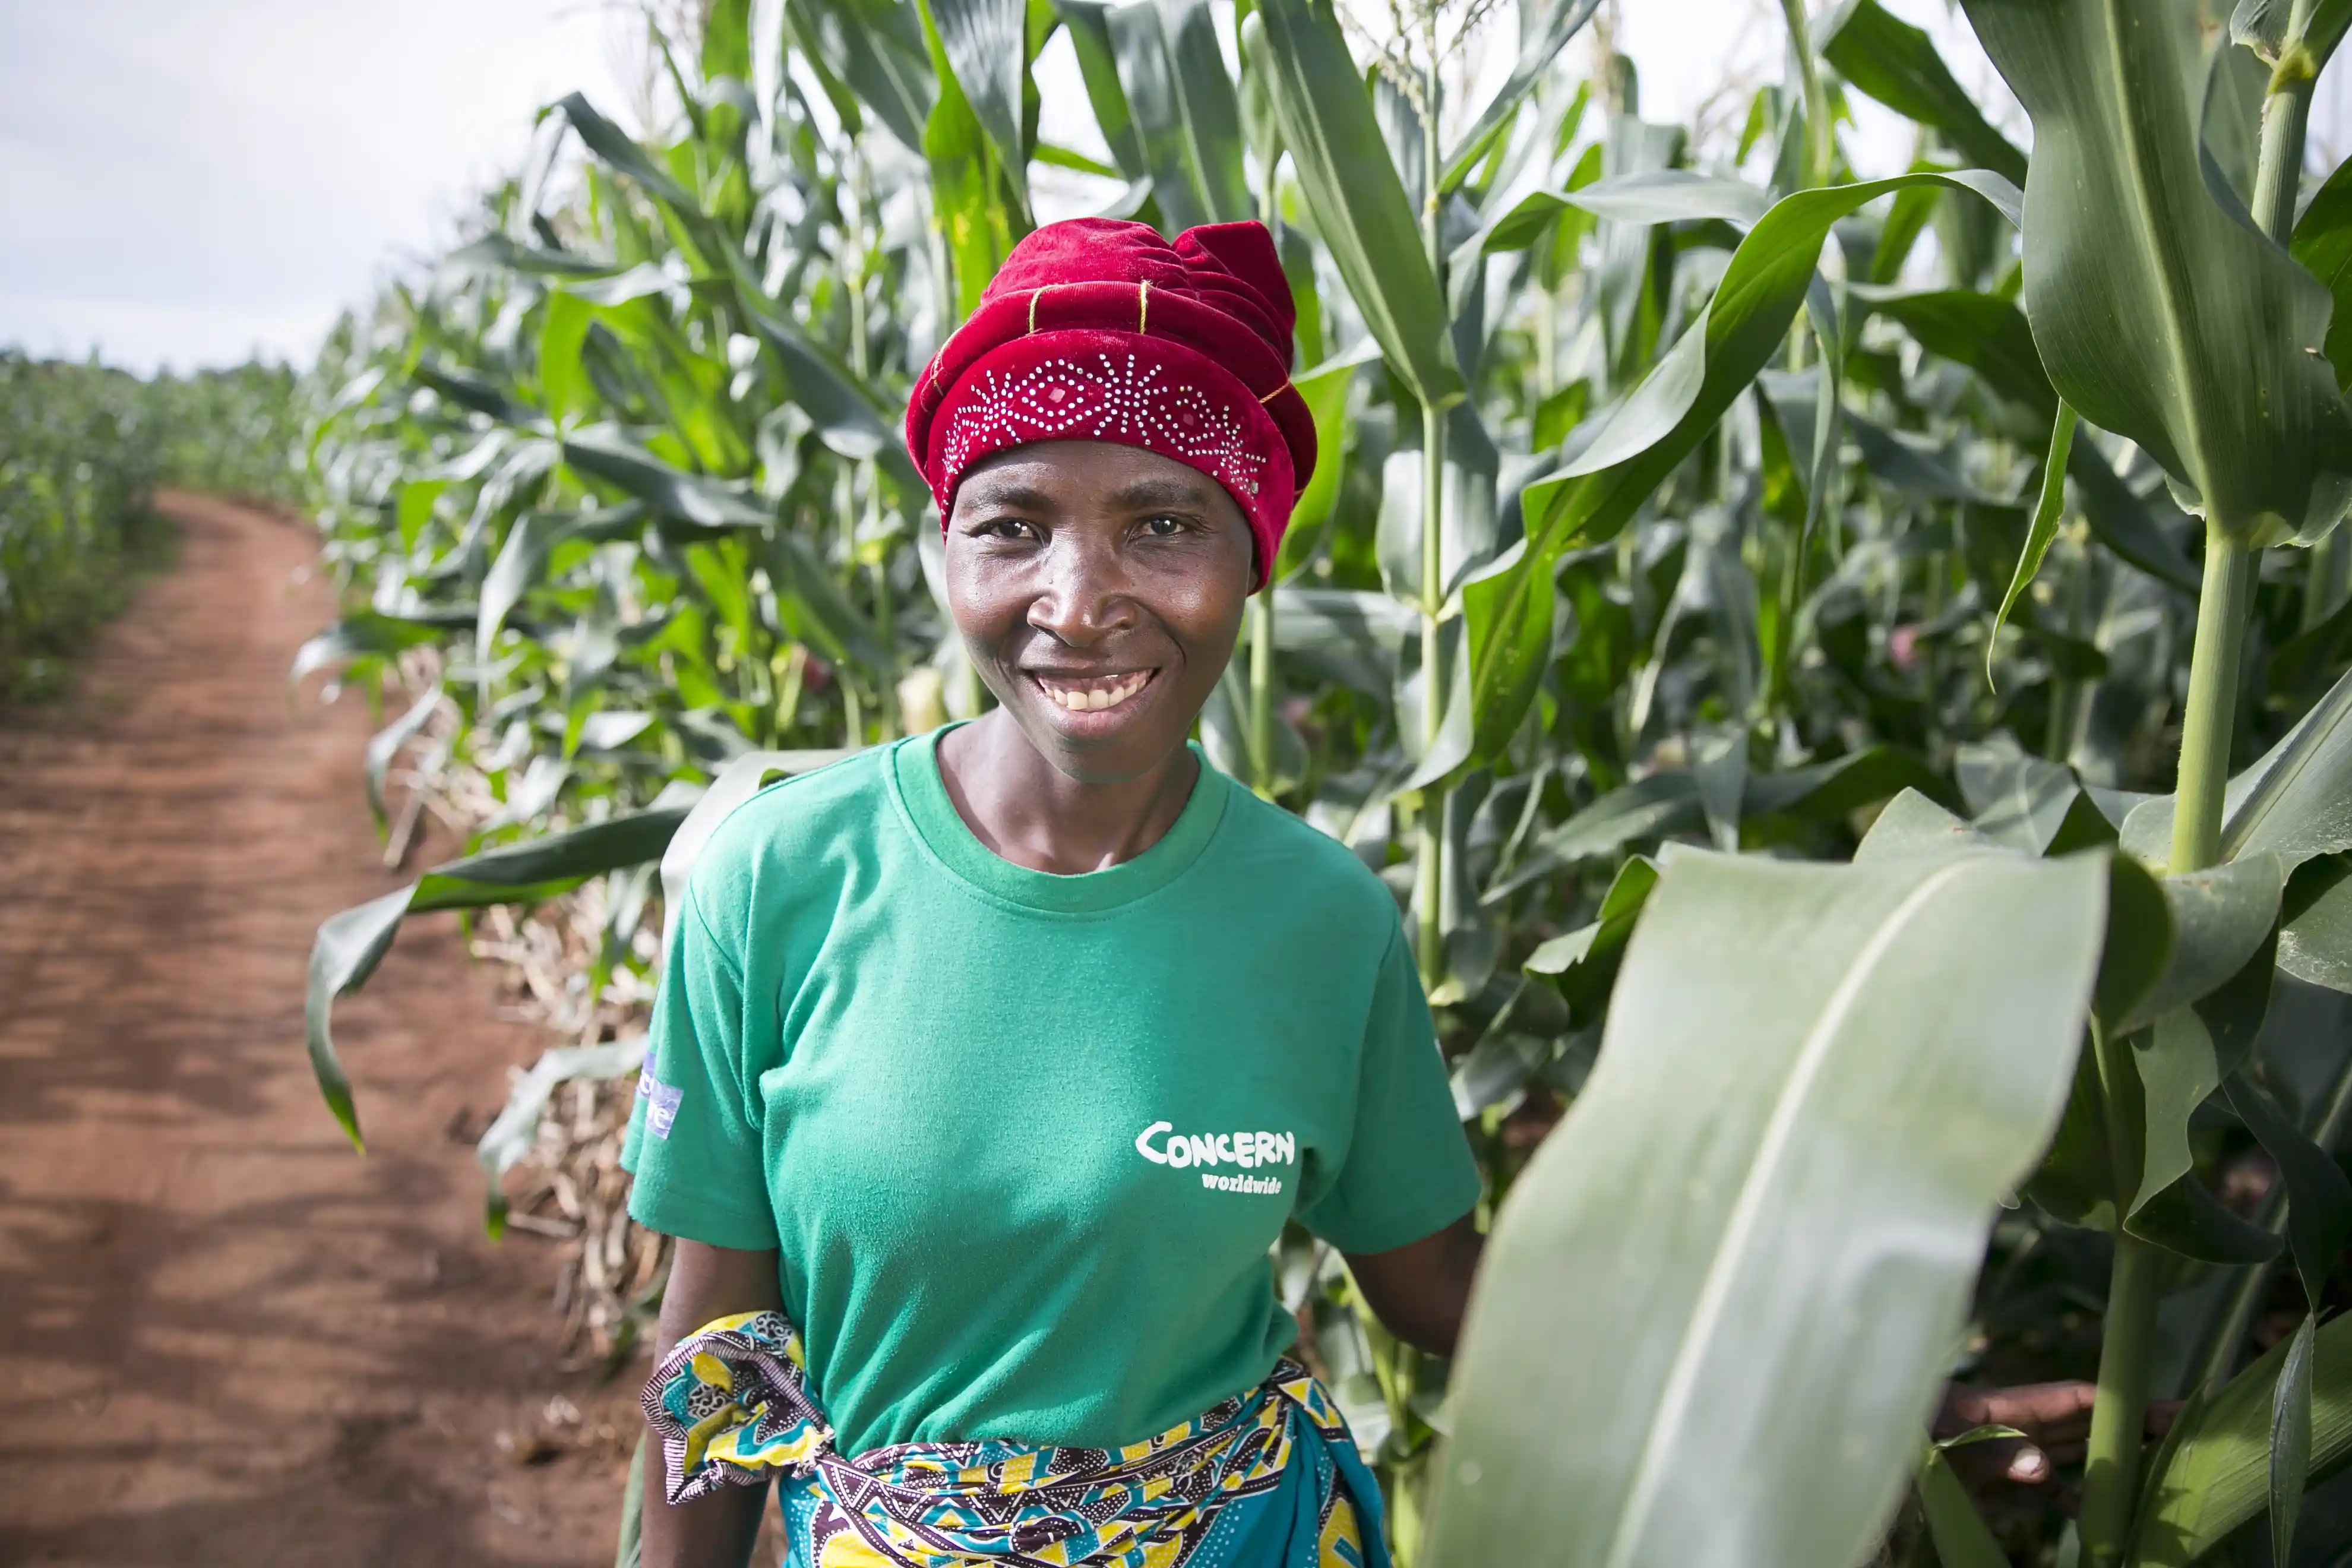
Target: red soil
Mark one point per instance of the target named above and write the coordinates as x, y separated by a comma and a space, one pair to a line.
225, 1339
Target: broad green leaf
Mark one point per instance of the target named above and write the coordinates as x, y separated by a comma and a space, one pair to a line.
1669, 195
561, 333
385, 743
1352, 618
736, 782
1325, 390
2290, 1439
1260, 129
1355, 196
727, 39
472, 391
1087, 22
1186, 116
1989, 335
2323, 243
814, 607
1545, 28
524, 556
1058, 157
2020, 813
495, 252
973, 201
1913, 826
1653, 806
870, 54
367, 633
350, 945
2217, 1476
1832, 789
2316, 925
2264, 25
2178, 1073
1889, 59
629, 1552
1962, 1538
670, 491
2220, 917
986, 46
509, 1136
1509, 604
1671, 801
1583, 963
2307, 658
2228, 121
2040, 531
847, 418
2319, 1198
1350, 635
2160, 312
609, 142
1982, 332
2295, 802
2186, 1218
1844, 1122
2076, 1179
2027, 802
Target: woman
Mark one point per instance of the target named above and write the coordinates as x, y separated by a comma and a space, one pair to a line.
988, 1066
995, 1061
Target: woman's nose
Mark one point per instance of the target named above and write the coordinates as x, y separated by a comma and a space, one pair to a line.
1085, 595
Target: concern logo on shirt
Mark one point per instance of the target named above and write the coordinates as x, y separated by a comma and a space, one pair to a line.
1247, 1149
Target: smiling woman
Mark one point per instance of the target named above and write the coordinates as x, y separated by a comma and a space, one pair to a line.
917, 1006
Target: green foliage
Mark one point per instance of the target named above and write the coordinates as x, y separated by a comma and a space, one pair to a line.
1820, 1143
1669, 498
82, 449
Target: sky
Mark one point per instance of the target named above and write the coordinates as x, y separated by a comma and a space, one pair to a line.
191, 181
188, 181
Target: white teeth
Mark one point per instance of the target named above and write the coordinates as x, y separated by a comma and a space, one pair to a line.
1085, 699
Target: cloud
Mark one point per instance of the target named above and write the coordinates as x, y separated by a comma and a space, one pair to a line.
190, 178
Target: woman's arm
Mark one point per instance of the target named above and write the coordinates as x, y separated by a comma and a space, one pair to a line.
1418, 1291
717, 1532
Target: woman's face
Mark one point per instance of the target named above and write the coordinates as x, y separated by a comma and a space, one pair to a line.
1099, 589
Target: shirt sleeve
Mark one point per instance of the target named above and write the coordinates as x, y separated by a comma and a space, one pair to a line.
694, 1136
1409, 1171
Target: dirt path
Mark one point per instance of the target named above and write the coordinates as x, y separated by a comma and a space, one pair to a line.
224, 1338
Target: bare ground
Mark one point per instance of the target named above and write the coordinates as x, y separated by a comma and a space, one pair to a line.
225, 1339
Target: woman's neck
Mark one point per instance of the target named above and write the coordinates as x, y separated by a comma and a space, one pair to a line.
1029, 811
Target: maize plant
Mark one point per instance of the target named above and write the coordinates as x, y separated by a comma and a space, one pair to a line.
1845, 671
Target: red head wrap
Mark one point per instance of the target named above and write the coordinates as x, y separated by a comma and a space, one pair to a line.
1098, 330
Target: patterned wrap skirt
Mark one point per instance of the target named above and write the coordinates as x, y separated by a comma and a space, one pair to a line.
1268, 1478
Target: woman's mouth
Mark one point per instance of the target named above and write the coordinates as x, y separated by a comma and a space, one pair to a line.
1092, 694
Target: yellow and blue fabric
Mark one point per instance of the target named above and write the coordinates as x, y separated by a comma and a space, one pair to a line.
1269, 1479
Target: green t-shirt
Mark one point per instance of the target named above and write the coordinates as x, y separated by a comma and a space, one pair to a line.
1023, 1141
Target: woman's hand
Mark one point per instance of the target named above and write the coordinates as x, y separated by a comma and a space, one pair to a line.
716, 1531
2055, 1419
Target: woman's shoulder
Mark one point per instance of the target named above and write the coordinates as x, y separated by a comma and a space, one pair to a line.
790, 832
1308, 861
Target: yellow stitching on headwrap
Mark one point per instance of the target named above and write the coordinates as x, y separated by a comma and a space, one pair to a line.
1142, 305
938, 356
1034, 293
1278, 391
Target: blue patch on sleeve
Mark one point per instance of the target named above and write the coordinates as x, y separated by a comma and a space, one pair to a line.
661, 1101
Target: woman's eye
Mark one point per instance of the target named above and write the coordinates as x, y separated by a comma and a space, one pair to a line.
1164, 526
1006, 528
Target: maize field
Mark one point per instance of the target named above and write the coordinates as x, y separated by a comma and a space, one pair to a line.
82, 449
1847, 671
